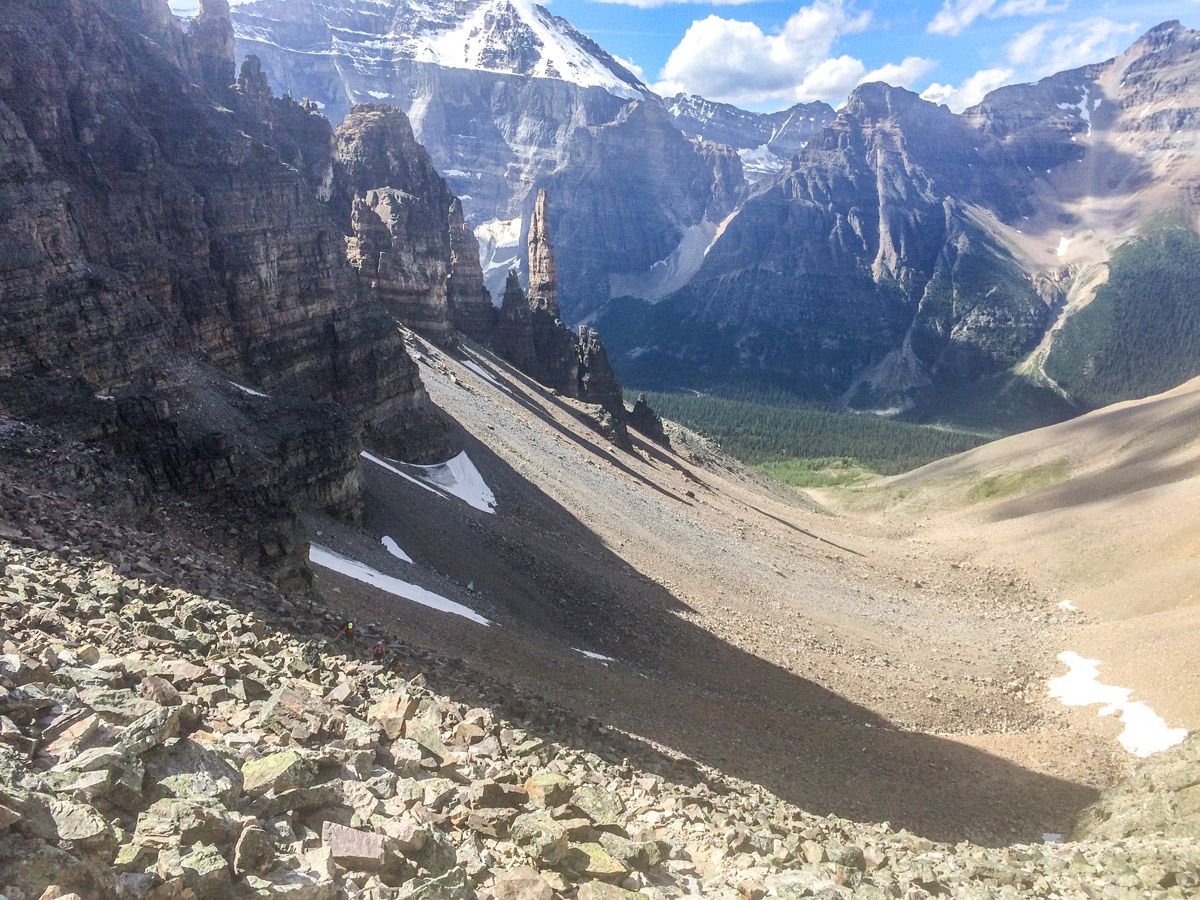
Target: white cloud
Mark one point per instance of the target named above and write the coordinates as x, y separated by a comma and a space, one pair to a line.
902, 74
1054, 47
1039, 51
956, 16
737, 62
1027, 46
971, 91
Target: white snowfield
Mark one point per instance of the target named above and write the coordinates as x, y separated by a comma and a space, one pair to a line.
1145, 733
352, 568
457, 34
393, 548
467, 45
460, 478
499, 245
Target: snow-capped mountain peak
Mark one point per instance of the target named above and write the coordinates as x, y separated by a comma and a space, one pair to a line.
515, 37
520, 37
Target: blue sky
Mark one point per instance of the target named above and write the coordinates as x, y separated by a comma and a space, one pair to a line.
767, 55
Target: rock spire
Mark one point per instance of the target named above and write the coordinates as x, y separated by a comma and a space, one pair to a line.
543, 273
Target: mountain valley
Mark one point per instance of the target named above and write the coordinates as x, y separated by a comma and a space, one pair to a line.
333, 562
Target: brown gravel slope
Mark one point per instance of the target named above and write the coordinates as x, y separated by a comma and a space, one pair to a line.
1102, 511
840, 662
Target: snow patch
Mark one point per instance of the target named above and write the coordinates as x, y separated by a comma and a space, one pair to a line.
379, 95
245, 390
352, 568
499, 249
394, 549
460, 478
483, 373
760, 161
670, 274
1145, 733
1068, 606
1083, 108
599, 657
383, 463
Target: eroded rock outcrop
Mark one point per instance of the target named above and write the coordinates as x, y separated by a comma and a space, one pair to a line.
407, 236
513, 337
644, 420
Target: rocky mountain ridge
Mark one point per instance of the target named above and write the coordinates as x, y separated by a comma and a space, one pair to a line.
911, 256
766, 142
240, 336
165, 246
954, 254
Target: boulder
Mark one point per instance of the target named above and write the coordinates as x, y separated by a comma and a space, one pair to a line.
539, 835
599, 804
278, 772
591, 860
521, 883
253, 854
549, 789
352, 849
391, 711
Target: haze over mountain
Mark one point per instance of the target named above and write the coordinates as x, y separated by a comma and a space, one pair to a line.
893, 256
909, 251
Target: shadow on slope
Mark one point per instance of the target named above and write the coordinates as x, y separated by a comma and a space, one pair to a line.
552, 584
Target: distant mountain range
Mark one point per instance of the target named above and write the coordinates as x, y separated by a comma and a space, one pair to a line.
887, 256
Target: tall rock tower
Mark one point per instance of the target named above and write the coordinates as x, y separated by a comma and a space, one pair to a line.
543, 274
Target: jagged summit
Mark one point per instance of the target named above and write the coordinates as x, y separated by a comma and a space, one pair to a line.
877, 100
764, 141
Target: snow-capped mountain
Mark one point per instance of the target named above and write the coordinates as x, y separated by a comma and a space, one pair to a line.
515, 37
765, 142
507, 98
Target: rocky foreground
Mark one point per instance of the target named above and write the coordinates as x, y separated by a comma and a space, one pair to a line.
159, 743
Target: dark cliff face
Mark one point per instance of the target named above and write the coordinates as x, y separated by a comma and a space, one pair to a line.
407, 237
167, 234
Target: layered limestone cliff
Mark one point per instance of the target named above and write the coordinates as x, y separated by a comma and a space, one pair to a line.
168, 234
